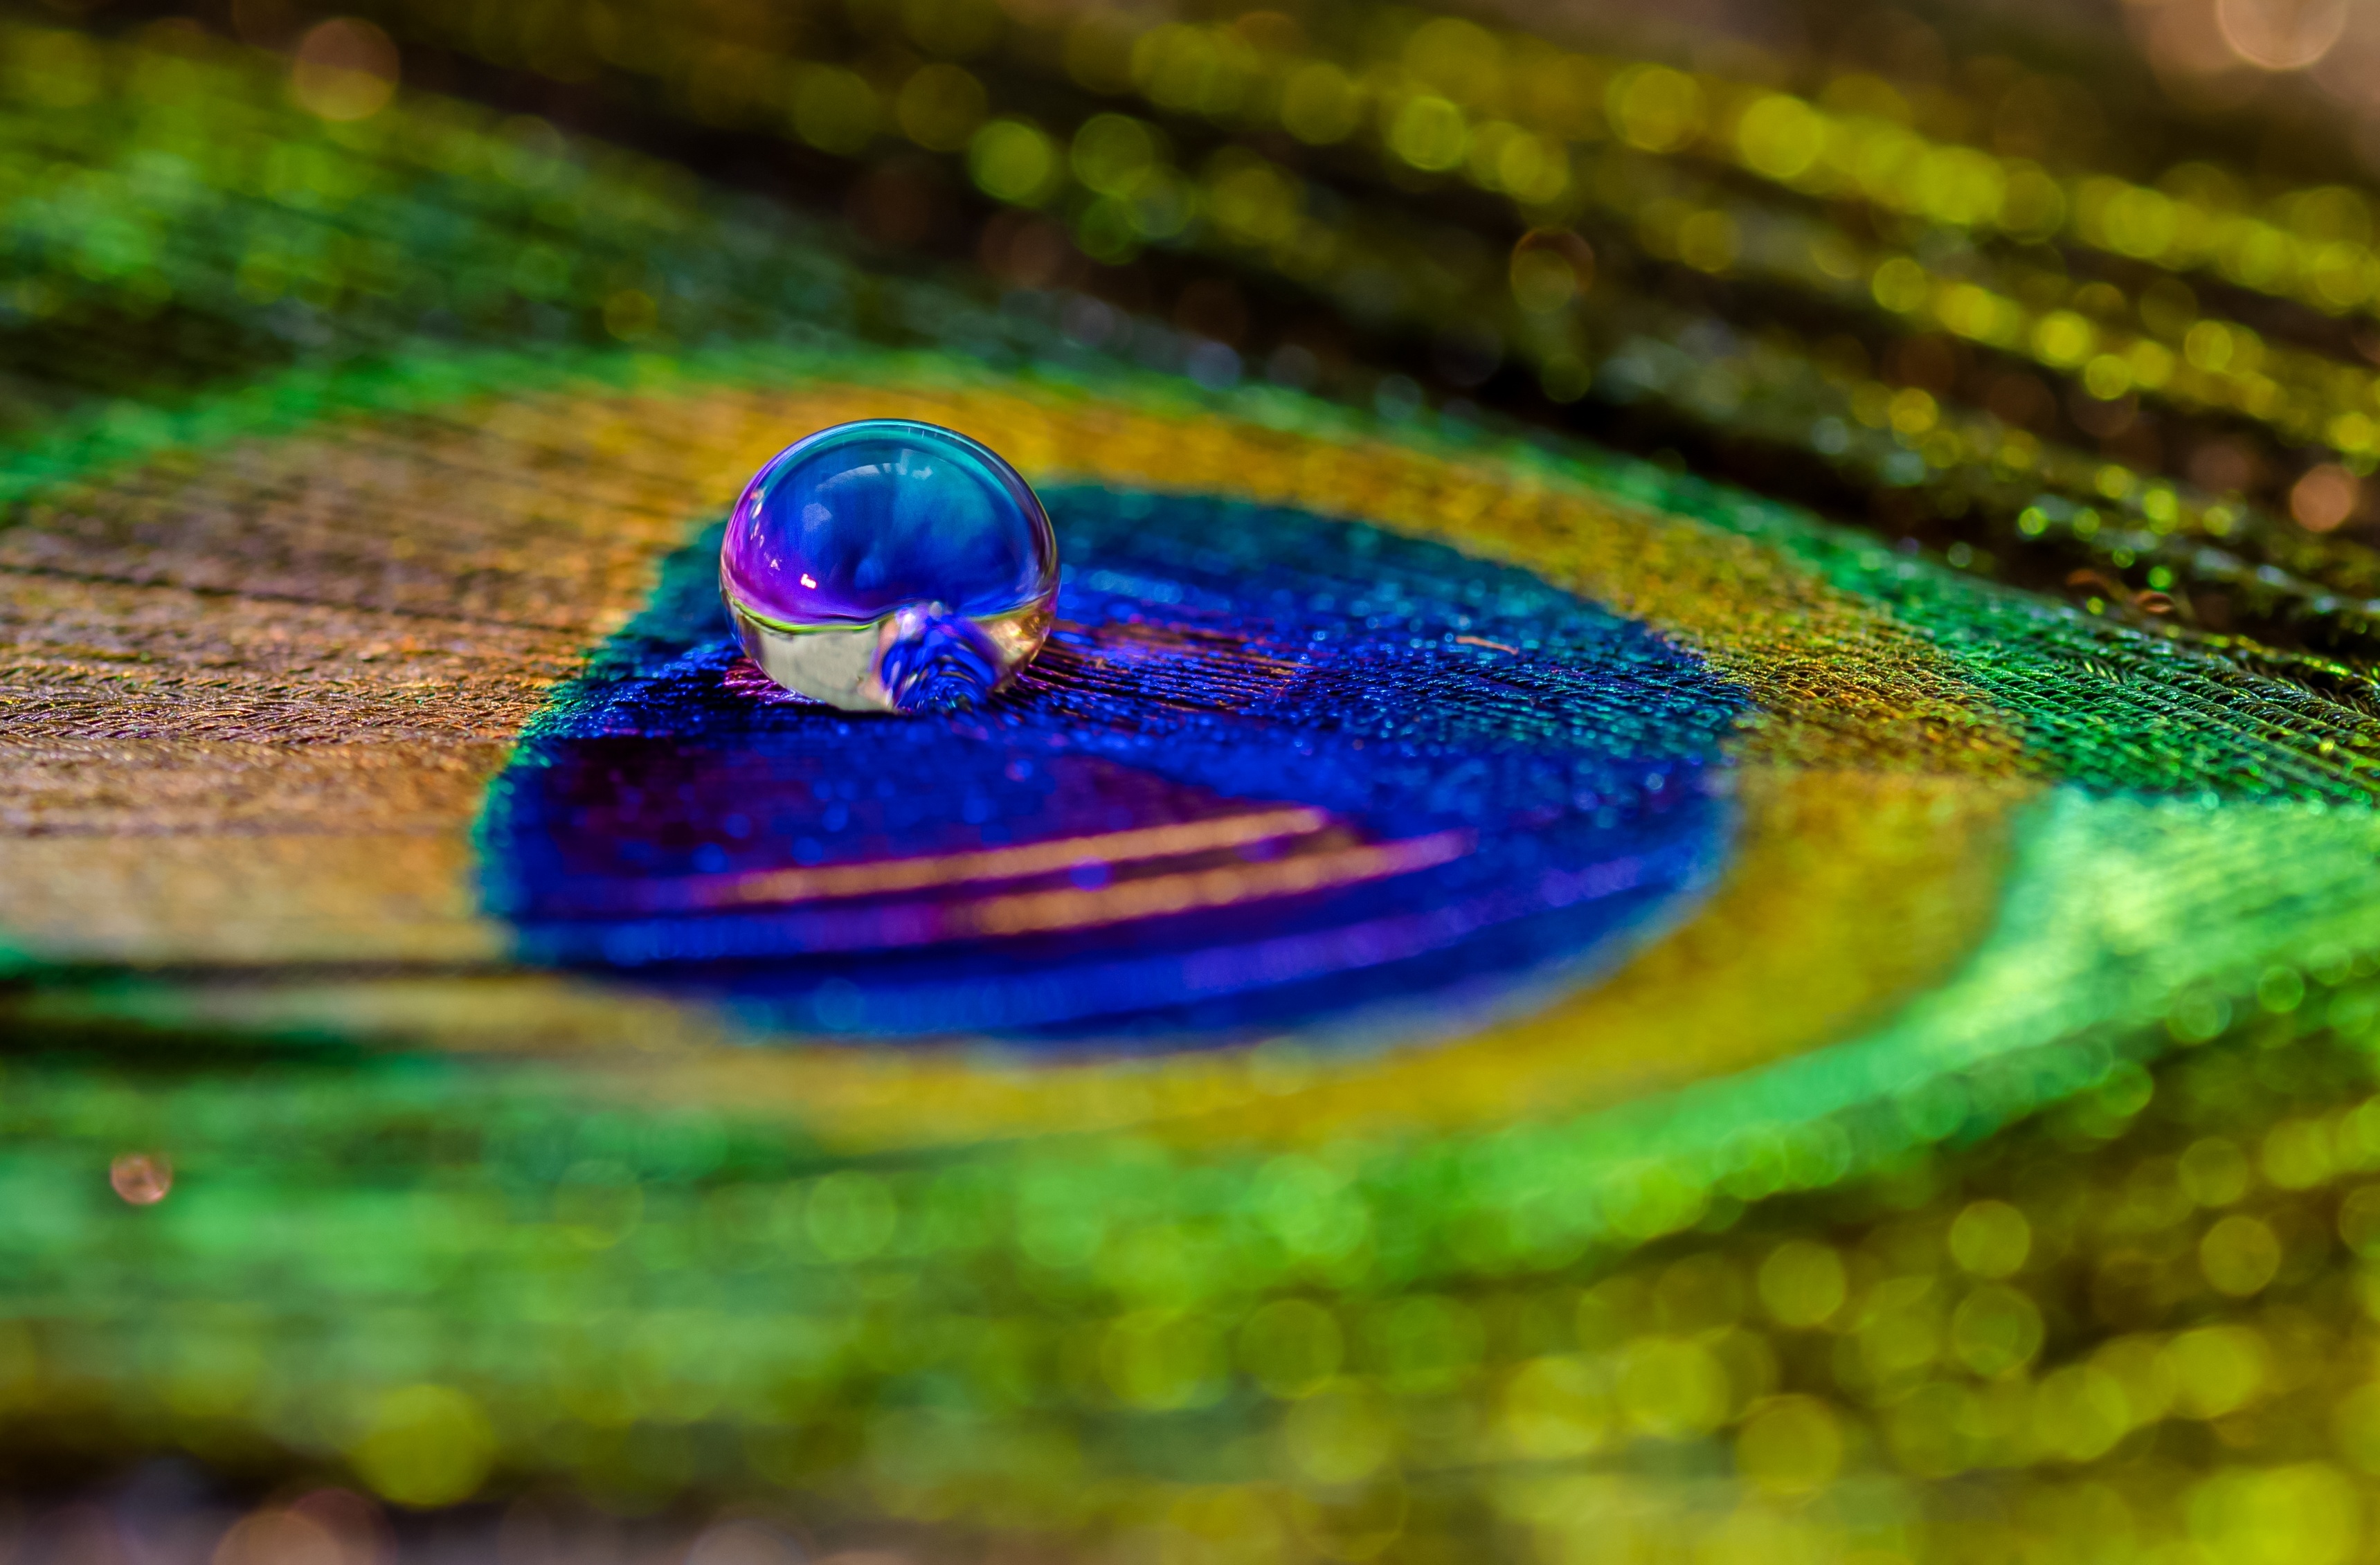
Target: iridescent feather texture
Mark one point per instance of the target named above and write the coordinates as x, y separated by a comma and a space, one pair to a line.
1803, 993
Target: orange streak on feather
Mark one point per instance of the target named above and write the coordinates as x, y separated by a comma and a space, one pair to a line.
1005, 864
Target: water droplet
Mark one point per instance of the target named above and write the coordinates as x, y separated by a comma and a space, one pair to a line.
890, 566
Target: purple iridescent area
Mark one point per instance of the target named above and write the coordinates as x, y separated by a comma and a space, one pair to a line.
1274, 770
859, 520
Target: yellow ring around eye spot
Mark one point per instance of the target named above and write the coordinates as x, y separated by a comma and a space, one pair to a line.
1875, 790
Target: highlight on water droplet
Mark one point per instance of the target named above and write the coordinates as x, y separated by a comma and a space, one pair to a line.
890, 566
143, 1179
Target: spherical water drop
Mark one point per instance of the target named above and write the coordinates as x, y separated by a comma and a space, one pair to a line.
890, 566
